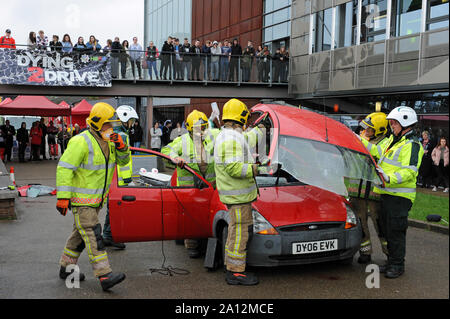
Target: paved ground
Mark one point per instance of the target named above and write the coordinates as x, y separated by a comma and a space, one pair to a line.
30, 248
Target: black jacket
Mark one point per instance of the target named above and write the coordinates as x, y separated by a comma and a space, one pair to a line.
55, 46
116, 48
136, 134
236, 50
185, 52
8, 137
167, 49
195, 57
22, 135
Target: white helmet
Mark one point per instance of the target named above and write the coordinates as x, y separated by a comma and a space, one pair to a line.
126, 113
405, 115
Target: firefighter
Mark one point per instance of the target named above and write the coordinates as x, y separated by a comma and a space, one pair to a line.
399, 161
127, 115
364, 201
83, 179
196, 149
236, 185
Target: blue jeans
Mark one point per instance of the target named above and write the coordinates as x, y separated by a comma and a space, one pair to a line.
224, 69
137, 144
215, 70
152, 66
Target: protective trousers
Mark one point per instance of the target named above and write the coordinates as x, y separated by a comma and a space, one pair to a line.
86, 234
363, 209
394, 222
240, 230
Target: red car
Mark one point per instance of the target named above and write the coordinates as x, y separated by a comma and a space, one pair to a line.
301, 215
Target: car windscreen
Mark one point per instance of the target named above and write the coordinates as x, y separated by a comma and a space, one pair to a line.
324, 165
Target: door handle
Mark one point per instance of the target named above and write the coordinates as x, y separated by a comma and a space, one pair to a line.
129, 198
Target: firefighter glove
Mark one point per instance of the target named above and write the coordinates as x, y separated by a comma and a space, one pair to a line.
385, 176
62, 205
118, 141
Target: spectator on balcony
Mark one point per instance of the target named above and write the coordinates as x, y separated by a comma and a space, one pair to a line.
177, 61
225, 61
7, 41
216, 52
166, 56
136, 54
252, 54
236, 52
246, 64
265, 61
80, 47
31, 41
123, 58
93, 47
108, 47
67, 45
152, 55
259, 65
55, 44
196, 53
42, 41
284, 61
276, 65
116, 48
186, 59
206, 57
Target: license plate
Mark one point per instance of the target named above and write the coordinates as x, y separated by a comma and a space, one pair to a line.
314, 246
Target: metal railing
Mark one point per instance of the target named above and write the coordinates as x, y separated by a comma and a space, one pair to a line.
183, 67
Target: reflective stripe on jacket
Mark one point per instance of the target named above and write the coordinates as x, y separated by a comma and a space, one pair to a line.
83, 174
401, 162
125, 172
183, 146
233, 165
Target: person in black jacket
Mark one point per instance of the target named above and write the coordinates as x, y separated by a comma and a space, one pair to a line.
166, 53
186, 59
44, 134
236, 52
152, 55
55, 44
196, 52
8, 132
136, 134
116, 48
206, 57
276, 65
23, 139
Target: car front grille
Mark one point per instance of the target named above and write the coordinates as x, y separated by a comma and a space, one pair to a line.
312, 226
324, 254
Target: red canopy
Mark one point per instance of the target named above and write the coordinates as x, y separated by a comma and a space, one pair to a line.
33, 106
64, 103
5, 101
80, 112
82, 108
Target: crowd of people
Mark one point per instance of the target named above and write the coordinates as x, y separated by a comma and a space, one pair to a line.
46, 141
434, 171
212, 61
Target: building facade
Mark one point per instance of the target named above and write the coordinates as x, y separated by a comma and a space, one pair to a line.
355, 53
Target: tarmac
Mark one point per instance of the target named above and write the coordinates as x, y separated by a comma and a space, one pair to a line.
30, 248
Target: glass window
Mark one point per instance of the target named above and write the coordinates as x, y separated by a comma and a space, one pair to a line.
281, 4
268, 6
268, 34
373, 19
437, 14
345, 29
280, 31
406, 17
322, 30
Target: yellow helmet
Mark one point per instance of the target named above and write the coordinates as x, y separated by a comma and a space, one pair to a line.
196, 118
235, 110
101, 113
377, 121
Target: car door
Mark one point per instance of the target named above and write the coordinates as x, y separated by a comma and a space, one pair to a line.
154, 208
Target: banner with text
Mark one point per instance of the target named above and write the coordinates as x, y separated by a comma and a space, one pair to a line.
23, 67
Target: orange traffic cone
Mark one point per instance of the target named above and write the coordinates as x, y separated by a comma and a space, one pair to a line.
11, 176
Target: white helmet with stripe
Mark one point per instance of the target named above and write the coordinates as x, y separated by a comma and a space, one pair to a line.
126, 113
405, 115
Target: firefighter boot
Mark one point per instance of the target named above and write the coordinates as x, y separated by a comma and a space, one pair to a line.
241, 278
110, 280
110, 242
63, 274
394, 271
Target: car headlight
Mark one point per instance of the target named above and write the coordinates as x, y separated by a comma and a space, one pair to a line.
261, 225
351, 220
